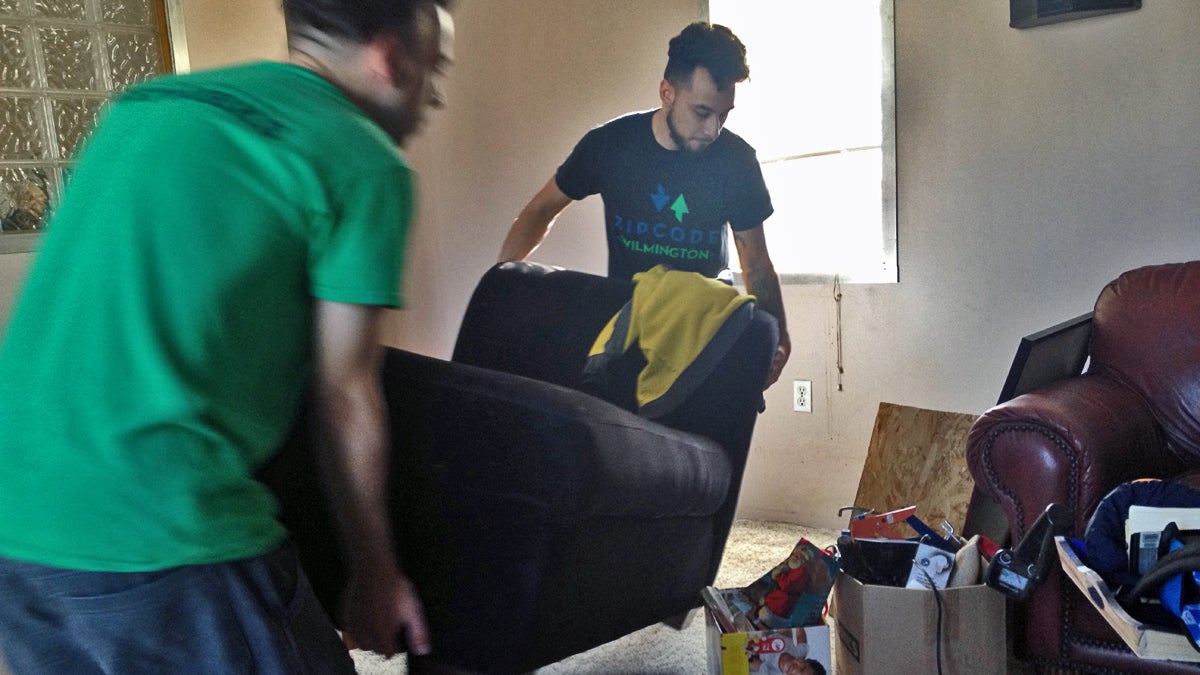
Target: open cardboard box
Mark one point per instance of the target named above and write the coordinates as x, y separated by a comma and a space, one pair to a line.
1148, 642
917, 631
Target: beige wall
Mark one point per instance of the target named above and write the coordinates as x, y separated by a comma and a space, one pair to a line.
228, 31
1034, 166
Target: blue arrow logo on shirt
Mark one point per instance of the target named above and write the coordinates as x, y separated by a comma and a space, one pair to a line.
680, 208
660, 198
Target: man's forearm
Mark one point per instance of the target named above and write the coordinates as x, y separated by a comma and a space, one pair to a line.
352, 429
534, 222
354, 466
763, 284
525, 235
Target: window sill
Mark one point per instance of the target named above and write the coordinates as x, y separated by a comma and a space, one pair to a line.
19, 243
812, 279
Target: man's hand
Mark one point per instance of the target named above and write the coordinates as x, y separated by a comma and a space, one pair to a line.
384, 616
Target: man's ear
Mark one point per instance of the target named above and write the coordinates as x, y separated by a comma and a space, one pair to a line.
389, 61
666, 93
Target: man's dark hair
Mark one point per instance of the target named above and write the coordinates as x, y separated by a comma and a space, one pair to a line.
356, 20
818, 668
712, 46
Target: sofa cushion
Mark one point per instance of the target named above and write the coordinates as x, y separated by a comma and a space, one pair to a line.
576, 455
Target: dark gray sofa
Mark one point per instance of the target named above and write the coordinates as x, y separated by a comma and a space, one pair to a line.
537, 519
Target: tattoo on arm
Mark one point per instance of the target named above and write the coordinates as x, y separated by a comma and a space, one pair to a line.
760, 278
764, 285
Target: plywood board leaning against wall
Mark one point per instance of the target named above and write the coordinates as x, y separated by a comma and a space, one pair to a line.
917, 457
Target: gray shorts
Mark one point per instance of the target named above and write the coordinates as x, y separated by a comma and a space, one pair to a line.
257, 615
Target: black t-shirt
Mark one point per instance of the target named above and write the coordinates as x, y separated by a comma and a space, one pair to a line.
662, 206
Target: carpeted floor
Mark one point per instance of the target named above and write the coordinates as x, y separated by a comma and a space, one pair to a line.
754, 547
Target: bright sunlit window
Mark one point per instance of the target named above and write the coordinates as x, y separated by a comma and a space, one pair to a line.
819, 109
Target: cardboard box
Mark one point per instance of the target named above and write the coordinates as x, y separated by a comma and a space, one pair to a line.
732, 652
1148, 642
887, 630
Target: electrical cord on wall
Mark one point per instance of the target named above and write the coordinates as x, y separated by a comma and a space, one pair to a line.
837, 300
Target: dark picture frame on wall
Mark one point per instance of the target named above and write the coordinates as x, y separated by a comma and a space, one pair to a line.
1030, 13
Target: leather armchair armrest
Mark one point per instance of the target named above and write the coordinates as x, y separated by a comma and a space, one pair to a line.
1071, 443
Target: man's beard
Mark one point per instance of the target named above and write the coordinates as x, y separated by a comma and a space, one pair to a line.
679, 140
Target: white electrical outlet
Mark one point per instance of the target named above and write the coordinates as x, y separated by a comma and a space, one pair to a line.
802, 395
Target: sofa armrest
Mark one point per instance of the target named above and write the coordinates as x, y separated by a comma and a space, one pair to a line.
1071, 443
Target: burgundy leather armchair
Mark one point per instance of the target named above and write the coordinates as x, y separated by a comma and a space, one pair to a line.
1135, 413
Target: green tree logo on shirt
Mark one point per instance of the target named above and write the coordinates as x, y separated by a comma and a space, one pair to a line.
680, 208
660, 199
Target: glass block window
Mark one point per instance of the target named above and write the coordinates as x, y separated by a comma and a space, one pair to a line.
60, 60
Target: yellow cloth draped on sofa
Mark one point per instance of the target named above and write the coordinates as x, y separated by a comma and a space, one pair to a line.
683, 323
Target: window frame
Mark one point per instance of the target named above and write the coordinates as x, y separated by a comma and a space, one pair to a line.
888, 268
173, 46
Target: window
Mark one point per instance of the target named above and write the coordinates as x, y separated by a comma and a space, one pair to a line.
60, 60
820, 110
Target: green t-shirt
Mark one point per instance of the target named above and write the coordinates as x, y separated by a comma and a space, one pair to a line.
161, 346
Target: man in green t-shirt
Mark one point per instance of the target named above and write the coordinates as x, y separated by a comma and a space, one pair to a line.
225, 249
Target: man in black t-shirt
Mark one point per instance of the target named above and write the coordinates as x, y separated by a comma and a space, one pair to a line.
671, 179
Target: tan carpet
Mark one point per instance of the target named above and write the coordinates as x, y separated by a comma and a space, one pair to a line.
754, 548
